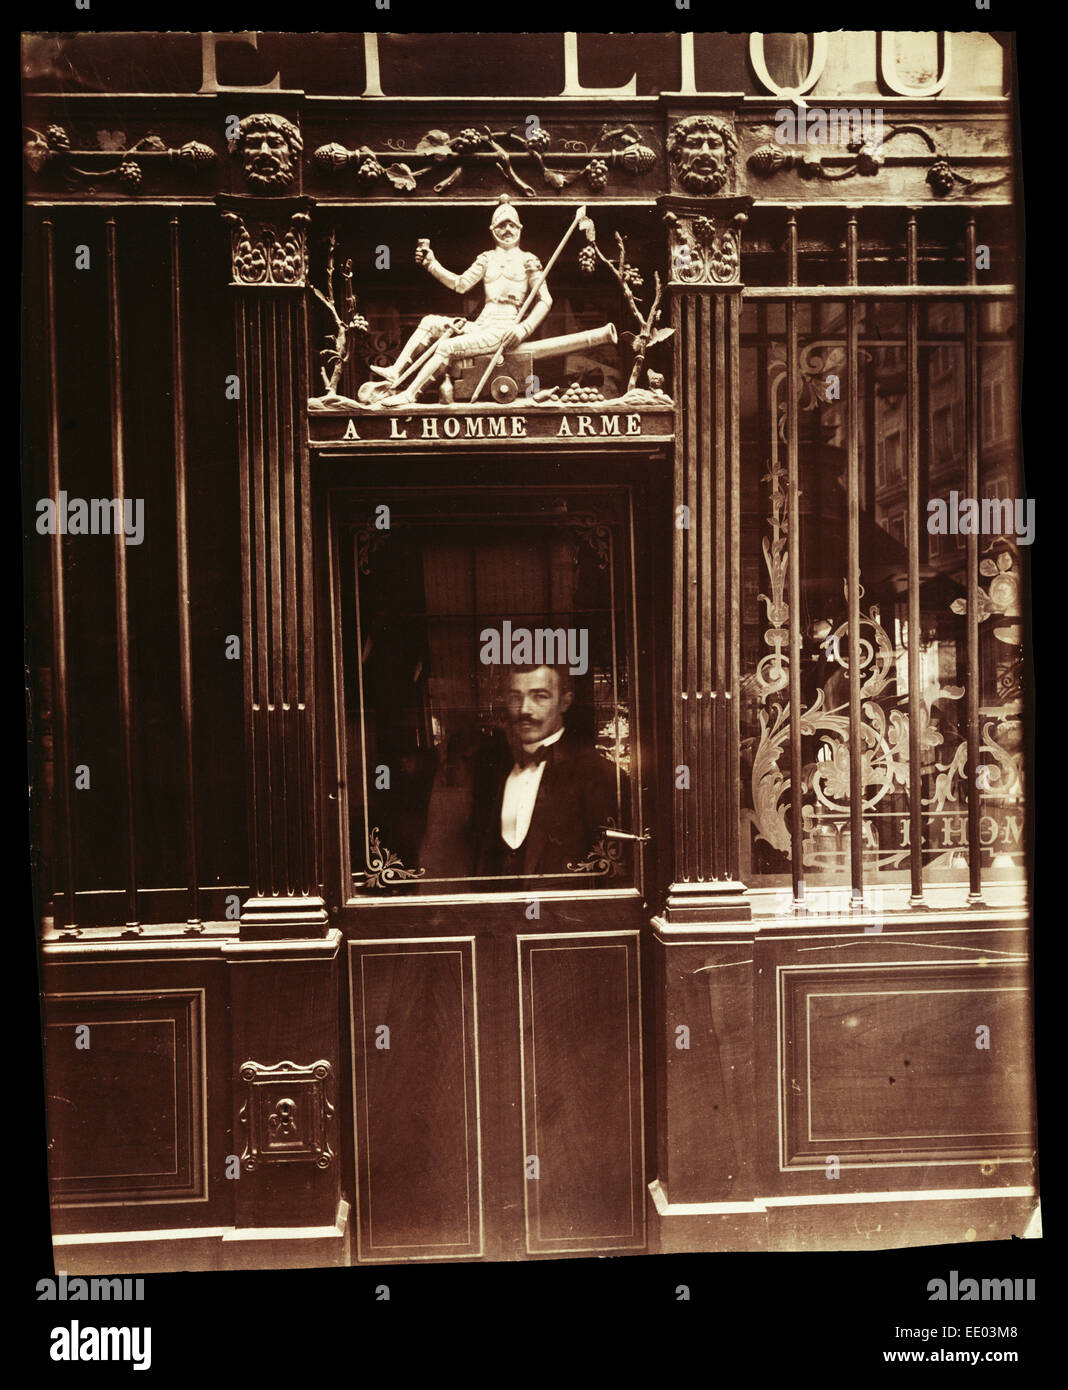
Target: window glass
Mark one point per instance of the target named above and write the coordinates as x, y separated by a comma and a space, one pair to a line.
489, 693
769, 803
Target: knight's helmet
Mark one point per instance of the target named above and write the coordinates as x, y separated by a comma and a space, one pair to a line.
505, 209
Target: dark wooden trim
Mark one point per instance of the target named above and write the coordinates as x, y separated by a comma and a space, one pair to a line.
278, 617
680, 544
721, 625
707, 605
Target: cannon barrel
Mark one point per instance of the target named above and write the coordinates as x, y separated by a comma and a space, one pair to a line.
571, 342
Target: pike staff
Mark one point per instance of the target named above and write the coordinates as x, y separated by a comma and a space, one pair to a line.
498, 356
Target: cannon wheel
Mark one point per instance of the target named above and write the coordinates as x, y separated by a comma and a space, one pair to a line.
504, 388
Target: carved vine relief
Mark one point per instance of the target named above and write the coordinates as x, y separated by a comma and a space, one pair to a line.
441, 159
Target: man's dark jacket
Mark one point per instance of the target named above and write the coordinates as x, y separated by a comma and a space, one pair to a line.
576, 798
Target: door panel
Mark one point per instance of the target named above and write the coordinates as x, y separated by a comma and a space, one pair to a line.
415, 1098
580, 1004
541, 1058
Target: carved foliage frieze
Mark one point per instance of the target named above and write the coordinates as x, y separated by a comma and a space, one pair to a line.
522, 157
112, 164
866, 157
286, 1114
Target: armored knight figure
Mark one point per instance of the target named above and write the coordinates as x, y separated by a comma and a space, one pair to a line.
508, 276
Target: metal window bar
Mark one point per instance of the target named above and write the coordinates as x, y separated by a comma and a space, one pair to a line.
971, 427
64, 869
912, 444
793, 514
734, 549
122, 607
969, 296
185, 661
856, 747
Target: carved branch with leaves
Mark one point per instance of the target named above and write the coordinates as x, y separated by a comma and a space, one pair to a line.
629, 279
350, 325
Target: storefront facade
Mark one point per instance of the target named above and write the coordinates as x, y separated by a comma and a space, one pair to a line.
750, 491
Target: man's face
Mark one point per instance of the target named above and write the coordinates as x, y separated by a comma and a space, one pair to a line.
506, 232
266, 158
536, 705
702, 161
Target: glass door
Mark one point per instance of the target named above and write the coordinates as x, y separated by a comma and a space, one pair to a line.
494, 766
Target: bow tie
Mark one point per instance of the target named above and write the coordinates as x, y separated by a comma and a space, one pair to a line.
539, 755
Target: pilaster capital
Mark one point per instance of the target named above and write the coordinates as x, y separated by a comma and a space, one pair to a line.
268, 240
704, 239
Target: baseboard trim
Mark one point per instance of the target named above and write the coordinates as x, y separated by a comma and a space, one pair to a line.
757, 1205
205, 1248
843, 1221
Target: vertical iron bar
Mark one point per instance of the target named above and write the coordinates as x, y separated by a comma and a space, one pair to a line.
793, 566
185, 644
64, 846
856, 747
912, 442
122, 607
971, 427
734, 549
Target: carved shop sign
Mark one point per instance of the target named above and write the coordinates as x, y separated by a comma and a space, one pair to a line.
779, 65
608, 66
444, 425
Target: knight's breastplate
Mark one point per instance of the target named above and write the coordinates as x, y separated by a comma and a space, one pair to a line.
505, 281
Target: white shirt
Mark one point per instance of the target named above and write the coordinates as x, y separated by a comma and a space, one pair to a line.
520, 794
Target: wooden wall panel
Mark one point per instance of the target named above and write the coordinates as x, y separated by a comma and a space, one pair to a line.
706, 1125
416, 1101
285, 1002
882, 1062
580, 1006
126, 1095
865, 1053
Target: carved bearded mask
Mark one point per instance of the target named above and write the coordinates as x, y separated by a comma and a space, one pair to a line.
702, 149
267, 149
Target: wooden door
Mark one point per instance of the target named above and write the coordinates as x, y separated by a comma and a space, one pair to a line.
494, 1008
